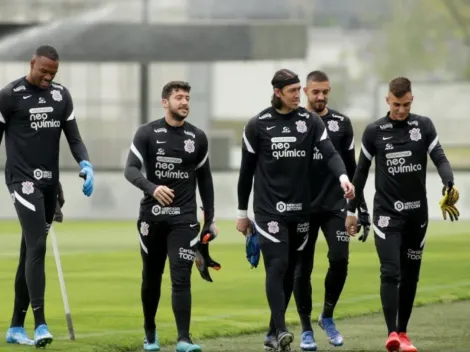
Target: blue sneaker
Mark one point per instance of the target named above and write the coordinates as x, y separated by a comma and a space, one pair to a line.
270, 343
187, 346
334, 337
42, 336
17, 335
307, 341
151, 342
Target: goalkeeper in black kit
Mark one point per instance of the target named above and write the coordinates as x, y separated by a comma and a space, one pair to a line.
175, 156
400, 143
277, 151
34, 110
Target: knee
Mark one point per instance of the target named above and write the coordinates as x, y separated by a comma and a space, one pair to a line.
339, 267
304, 269
181, 278
389, 273
277, 266
36, 249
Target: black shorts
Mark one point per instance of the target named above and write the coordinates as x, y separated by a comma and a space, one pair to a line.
35, 206
278, 230
177, 241
399, 240
333, 227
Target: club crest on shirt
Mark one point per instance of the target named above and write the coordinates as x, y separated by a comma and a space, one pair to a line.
28, 187
189, 146
301, 126
333, 126
56, 95
415, 134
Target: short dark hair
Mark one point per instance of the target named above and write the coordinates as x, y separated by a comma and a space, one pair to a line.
175, 85
399, 86
47, 51
279, 77
317, 76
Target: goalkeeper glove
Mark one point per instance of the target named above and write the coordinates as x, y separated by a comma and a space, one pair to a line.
253, 251
209, 230
450, 197
363, 221
204, 261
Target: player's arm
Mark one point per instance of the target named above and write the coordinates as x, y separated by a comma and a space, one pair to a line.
77, 147
327, 149
450, 192
368, 150
72, 133
247, 167
438, 156
206, 188
349, 158
5, 103
135, 163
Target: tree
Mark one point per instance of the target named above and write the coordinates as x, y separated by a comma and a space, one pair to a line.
423, 38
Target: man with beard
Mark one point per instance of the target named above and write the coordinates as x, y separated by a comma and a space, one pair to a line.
277, 152
174, 154
328, 212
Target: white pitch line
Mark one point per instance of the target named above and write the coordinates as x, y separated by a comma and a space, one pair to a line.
265, 312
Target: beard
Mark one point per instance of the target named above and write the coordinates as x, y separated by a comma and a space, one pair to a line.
177, 116
319, 106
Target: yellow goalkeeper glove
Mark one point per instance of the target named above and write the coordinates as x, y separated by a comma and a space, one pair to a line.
447, 203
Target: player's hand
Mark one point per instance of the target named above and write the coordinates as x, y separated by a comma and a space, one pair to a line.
364, 223
244, 226
447, 203
209, 229
351, 225
451, 194
164, 195
348, 189
204, 261
88, 175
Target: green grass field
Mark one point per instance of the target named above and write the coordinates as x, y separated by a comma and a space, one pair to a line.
102, 269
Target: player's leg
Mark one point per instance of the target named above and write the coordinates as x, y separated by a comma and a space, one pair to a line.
274, 244
338, 257
388, 237
16, 334
153, 250
30, 207
182, 240
411, 256
303, 285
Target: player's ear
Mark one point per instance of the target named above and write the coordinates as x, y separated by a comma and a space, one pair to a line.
277, 92
305, 90
165, 103
386, 99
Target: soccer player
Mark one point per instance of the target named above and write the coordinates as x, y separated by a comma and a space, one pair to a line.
174, 154
278, 148
400, 142
33, 112
328, 212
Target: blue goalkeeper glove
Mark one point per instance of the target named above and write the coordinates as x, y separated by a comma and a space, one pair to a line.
253, 251
87, 174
